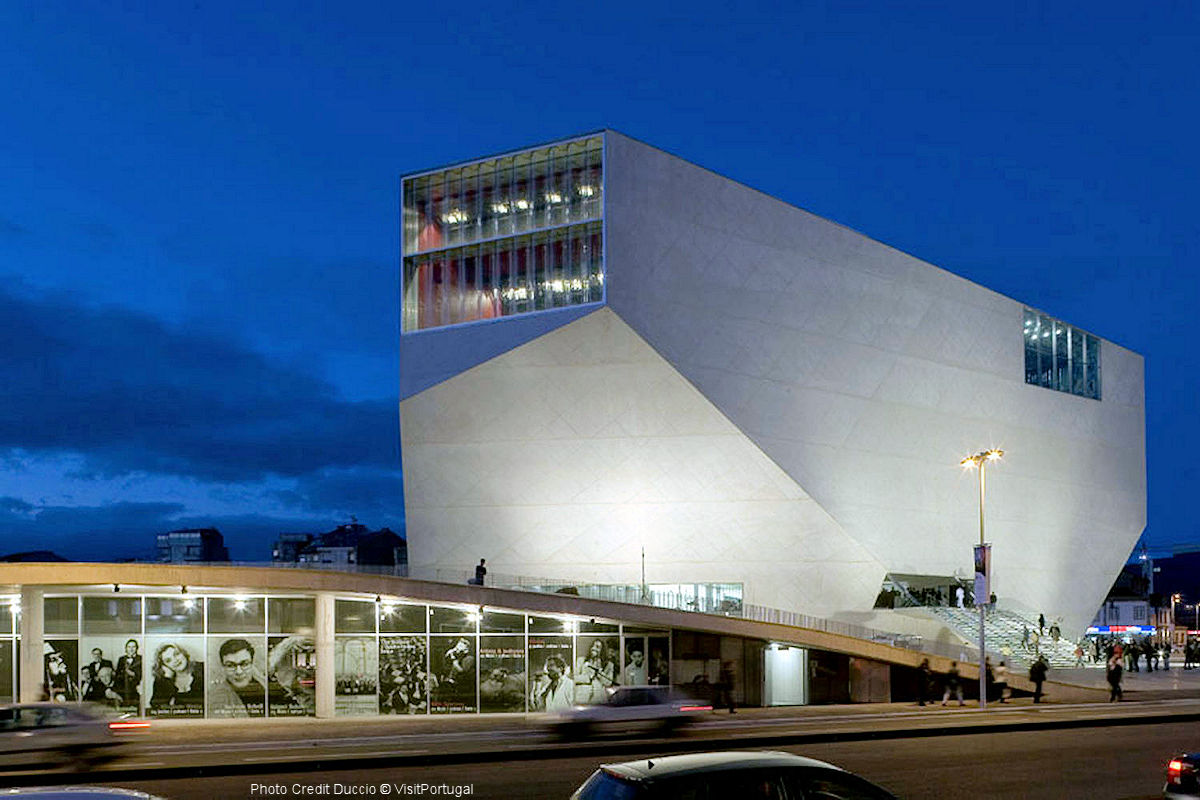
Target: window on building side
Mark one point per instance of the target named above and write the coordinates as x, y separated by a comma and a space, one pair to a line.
506, 236
1061, 357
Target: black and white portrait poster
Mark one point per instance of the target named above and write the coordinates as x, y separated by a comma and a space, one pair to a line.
452, 662
237, 683
60, 658
112, 671
174, 676
291, 676
6, 670
501, 673
595, 668
403, 675
356, 676
551, 687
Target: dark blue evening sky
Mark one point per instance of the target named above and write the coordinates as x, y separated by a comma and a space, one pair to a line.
198, 212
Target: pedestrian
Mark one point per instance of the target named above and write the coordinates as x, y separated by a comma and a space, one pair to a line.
989, 679
953, 684
1035, 639
1167, 655
1114, 678
725, 687
480, 571
958, 596
1079, 655
923, 680
1041, 623
1024, 637
1037, 674
1001, 680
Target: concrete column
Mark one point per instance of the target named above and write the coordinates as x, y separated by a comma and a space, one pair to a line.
324, 641
33, 640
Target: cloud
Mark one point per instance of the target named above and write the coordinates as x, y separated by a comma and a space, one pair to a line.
378, 493
99, 533
130, 394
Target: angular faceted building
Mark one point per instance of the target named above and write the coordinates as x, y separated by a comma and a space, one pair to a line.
608, 352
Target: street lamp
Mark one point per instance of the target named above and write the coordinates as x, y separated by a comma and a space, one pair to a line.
981, 460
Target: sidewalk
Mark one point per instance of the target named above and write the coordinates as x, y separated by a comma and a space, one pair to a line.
1066, 687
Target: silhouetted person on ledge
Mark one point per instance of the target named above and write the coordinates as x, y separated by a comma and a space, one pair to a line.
480, 571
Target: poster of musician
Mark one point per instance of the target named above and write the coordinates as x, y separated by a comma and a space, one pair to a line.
403, 675
452, 662
237, 685
61, 662
551, 687
595, 669
112, 673
356, 676
291, 676
175, 676
6, 671
501, 673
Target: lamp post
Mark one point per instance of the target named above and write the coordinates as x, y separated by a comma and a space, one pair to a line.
980, 460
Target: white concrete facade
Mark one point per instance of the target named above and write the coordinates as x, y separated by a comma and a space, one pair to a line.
771, 398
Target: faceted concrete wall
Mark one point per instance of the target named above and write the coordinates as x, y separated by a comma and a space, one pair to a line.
565, 456
867, 374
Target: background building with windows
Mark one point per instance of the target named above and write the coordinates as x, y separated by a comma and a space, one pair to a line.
609, 351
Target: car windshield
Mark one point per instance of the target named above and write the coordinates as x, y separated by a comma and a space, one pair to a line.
605, 786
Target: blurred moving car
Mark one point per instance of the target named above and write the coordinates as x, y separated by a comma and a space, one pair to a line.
742, 775
81, 735
631, 708
1182, 782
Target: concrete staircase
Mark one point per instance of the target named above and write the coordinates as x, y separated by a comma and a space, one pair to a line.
1003, 630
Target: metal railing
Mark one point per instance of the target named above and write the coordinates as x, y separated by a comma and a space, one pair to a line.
636, 595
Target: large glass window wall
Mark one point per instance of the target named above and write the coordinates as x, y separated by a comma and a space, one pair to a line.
461, 262
1061, 357
182, 656
532, 272
226, 656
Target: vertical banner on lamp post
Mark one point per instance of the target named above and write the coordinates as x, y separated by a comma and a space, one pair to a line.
983, 573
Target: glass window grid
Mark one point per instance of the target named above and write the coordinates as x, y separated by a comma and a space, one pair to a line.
1060, 356
534, 193
535, 271
520, 192
570, 627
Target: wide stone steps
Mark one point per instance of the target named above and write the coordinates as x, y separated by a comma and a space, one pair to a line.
1004, 632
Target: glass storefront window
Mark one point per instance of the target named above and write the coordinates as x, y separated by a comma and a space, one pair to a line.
112, 615
354, 616
550, 625
496, 622
236, 615
291, 614
400, 618
452, 620
174, 615
230, 656
61, 615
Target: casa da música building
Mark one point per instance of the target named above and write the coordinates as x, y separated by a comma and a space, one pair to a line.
619, 368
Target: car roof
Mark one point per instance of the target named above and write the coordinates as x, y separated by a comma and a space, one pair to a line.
690, 763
